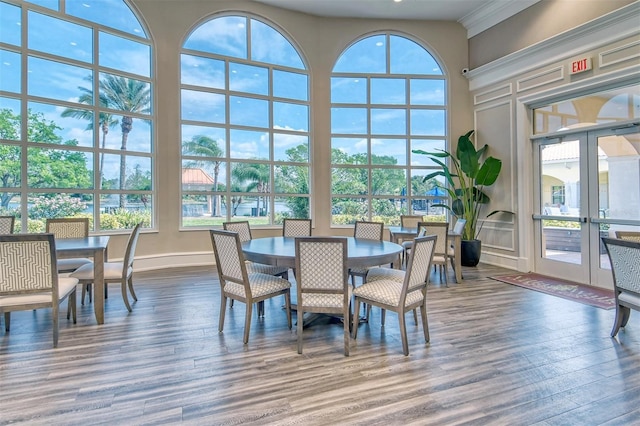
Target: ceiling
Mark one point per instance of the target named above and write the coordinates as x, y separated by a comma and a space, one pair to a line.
475, 15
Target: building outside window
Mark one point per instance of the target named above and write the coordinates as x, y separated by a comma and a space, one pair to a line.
76, 117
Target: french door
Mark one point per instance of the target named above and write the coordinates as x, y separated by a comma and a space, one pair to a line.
588, 186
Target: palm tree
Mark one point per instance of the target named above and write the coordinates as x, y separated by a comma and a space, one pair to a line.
205, 146
129, 96
257, 177
106, 120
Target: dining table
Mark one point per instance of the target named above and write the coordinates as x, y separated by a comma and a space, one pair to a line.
396, 233
281, 251
96, 248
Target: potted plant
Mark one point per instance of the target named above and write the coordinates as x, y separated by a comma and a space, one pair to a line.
466, 175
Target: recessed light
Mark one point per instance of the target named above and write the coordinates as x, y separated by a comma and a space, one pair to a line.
397, 1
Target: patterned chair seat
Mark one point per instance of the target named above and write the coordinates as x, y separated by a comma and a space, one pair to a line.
261, 285
261, 268
334, 301
387, 292
376, 274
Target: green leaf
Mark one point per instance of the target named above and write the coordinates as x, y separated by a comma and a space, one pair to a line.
488, 173
468, 157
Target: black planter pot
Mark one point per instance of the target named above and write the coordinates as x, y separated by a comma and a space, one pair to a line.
470, 252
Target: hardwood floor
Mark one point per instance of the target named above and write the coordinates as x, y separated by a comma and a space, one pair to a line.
498, 355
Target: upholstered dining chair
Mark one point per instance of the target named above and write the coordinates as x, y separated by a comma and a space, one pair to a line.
624, 256
6, 224
369, 231
628, 235
236, 283
243, 229
29, 278
322, 281
296, 227
401, 297
114, 272
441, 250
70, 227
408, 221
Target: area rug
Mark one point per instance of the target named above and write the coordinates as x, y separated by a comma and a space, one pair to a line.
594, 296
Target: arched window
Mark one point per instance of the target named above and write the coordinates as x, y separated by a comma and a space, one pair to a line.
76, 119
388, 97
245, 124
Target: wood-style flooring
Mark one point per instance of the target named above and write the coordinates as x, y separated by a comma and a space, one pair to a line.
499, 355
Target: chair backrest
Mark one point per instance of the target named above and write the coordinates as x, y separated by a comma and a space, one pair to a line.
130, 252
410, 220
368, 230
439, 229
28, 264
296, 228
321, 270
6, 224
242, 228
624, 256
417, 274
230, 263
68, 227
628, 235
459, 226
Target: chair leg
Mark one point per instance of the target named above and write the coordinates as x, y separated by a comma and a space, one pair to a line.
247, 322
356, 315
287, 303
73, 303
425, 323
622, 316
223, 308
7, 321
444, 268
403, 333
347, 333
415, 316
133, 293
125, 298
299, 325
383, 314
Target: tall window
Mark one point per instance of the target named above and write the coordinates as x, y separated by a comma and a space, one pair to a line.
387, 99
75, 113
245, 124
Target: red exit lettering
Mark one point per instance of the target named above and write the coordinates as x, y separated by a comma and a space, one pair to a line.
580, 65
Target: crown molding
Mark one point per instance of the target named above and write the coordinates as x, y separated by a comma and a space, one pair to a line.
604, 30
492, 14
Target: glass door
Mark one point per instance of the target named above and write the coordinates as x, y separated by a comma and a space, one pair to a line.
588, 187
615, 190
561, 231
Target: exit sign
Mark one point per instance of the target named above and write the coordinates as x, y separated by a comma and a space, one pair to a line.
580, 65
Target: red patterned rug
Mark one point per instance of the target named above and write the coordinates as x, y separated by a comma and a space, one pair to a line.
589, 295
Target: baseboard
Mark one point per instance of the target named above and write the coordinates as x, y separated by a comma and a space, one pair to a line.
173, 260
503, 261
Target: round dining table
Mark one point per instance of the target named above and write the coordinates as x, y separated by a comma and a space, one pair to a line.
281, 251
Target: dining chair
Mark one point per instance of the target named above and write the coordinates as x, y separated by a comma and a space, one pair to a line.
408, 221
441, 250
628, 235
69, 227
237, 283
243, 228
624, 256
451, 253
7, 224
322, 281
369, 231
114, 272
401, 297
29, 278
296, 227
